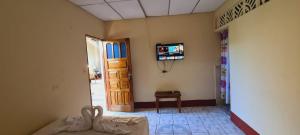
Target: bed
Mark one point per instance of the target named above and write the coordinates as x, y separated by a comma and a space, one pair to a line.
141, 128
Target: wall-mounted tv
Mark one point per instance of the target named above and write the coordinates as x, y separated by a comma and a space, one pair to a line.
172, 51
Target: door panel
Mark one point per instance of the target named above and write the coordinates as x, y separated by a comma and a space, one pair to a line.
113, 75
114, 84
124, 84
118, 75
117, 63
123, 74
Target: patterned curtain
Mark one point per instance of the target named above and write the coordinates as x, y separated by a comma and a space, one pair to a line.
225, 82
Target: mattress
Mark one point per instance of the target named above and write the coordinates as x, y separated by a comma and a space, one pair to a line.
140, 128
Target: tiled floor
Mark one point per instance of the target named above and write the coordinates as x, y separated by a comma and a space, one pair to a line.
192, 121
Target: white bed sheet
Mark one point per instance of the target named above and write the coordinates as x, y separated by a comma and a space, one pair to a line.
141, 128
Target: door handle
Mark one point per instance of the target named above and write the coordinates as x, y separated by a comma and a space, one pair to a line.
129, 76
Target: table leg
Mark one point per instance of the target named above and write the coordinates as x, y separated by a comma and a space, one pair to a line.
157, 105
179, 104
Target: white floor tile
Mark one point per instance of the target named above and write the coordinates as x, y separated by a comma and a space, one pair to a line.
193, 121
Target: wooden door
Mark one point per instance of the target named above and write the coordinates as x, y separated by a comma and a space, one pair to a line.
118, 80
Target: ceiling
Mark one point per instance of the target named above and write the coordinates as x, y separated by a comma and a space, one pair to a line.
109, 10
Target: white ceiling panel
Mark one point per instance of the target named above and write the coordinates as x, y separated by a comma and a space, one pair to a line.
128, 9
102, 11
108, 10
182, 6
208, 5
156, 7
87, 2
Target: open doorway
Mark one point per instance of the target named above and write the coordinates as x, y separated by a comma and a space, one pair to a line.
223, 74
110, 74
96, 71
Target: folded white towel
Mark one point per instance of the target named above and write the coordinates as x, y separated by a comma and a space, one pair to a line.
80, 123
108, 124
88, 121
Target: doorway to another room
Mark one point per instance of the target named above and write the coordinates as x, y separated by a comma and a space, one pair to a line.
96, 71
110, 74
223, 93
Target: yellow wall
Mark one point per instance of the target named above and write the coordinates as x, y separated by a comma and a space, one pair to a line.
194, 75
264, 54
43, 69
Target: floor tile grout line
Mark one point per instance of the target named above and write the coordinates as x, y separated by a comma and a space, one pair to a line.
199, 113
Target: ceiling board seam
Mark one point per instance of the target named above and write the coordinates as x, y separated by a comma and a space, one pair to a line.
142, 7
119, 1
169, 7
114, 9
195, 6
91, 4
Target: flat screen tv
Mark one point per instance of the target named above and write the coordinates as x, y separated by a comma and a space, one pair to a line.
172, 51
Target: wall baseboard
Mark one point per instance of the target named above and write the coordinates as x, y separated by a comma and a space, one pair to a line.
242, 125
184, 103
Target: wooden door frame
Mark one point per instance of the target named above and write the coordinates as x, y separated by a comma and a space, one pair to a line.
128, 51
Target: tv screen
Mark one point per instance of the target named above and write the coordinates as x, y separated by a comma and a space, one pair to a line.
172, 51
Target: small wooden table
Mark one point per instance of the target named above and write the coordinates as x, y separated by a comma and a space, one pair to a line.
168, 94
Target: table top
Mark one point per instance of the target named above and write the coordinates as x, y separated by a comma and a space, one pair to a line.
174, 93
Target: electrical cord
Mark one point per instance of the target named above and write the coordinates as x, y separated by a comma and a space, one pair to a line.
164, 69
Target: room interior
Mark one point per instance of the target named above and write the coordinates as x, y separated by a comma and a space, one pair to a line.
239, 52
